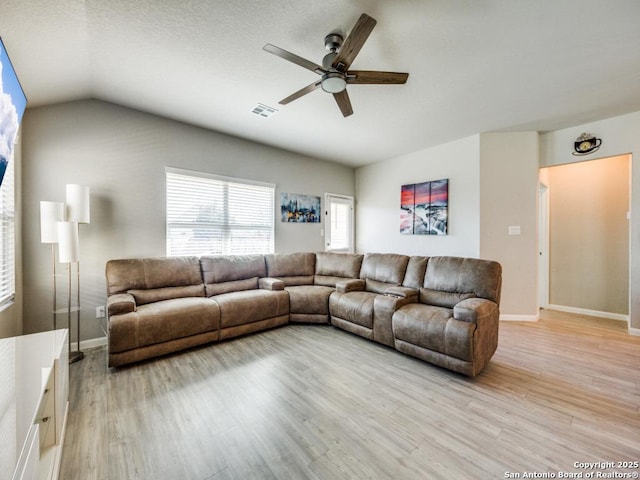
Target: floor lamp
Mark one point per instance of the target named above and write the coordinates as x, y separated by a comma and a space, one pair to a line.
50, 214
59, 225
69, 253
77, 211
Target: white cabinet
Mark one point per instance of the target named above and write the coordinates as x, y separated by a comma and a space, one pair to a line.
34, 393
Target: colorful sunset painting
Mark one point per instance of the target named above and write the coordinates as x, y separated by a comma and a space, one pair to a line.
424, 208
407, 202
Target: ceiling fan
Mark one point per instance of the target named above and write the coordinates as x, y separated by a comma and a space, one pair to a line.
334, 72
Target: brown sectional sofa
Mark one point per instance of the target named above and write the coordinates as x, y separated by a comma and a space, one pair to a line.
443, 310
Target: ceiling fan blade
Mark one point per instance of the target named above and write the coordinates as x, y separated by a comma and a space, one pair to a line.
373, 77
292, 57
303, 91
354, 42
342, 99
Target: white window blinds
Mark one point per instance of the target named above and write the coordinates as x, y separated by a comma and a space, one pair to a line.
7, 237
340, 226
209, 215
339, 215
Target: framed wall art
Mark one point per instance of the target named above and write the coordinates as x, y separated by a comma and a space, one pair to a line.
424, 208
297, 208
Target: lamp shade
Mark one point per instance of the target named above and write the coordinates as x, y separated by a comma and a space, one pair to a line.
78, 203
68, 242
50, 214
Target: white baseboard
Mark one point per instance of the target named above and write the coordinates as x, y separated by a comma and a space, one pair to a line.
91, 343
519, 318
590, 313
634, 331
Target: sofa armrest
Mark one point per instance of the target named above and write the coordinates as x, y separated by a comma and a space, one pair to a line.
352, 285
403, 292
120, 303
268, 283
475, 310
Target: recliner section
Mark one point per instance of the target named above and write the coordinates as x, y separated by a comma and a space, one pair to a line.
444, 310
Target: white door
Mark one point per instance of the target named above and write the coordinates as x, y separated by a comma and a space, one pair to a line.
338, 213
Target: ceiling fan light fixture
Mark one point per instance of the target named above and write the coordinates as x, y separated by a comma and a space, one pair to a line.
333, 82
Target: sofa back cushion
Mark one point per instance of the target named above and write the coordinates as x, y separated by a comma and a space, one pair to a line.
292, 268
332, 268
416, 268
451, 279
154, 279
232, 273
382, 270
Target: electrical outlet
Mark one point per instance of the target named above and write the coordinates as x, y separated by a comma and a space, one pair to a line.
101, 312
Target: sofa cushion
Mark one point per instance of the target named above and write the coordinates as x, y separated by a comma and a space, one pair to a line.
166, 293
149, 273
416, 268
242, 307
434, 328
464, 275
231, 273
292, 268
234, 286
355, 307
161, 322
309, 299
381, 270
332, 268
443, 299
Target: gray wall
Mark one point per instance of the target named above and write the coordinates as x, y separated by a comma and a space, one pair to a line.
121, 155
508, 198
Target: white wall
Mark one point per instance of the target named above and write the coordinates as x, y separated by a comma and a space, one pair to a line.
619, 135
508, 198
121, 154
378, 200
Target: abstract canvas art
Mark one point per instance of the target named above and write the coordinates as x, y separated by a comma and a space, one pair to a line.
296, 208
424, 208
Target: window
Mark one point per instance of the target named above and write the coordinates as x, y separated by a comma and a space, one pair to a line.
339, 217
7, 237
208, 215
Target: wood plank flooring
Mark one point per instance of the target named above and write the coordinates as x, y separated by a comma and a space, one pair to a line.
314, 402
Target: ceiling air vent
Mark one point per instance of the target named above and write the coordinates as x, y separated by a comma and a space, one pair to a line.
263, 110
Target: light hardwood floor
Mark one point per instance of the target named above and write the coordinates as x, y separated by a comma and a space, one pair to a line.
315, 402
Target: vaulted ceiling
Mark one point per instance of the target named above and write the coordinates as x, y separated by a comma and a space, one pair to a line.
474, 65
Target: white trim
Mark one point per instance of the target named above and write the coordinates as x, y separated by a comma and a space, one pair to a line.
590, 313
91, 343
543, 244
347, 199
519, 318
634, 331
221, 178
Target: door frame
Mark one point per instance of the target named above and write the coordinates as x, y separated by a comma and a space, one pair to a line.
327, 215
543, 245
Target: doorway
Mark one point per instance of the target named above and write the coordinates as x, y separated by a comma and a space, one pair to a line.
586, 234
339, 223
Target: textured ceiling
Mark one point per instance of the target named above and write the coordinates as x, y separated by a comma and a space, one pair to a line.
475, 66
